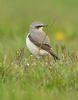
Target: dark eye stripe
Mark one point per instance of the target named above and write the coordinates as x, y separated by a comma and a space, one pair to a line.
39, 26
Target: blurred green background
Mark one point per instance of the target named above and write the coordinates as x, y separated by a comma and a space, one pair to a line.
17, 15
15, 18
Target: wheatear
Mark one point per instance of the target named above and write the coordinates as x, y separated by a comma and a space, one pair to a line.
37, 41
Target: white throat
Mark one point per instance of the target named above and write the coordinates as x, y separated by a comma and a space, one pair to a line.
40, 29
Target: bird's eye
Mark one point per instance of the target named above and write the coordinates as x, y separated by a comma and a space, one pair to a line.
38, 27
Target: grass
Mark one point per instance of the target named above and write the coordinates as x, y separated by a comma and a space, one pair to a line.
27, 78
22, 76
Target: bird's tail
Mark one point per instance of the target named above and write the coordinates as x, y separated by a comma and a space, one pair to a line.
54, 55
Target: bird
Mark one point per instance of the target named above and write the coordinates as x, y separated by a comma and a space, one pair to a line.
37, 41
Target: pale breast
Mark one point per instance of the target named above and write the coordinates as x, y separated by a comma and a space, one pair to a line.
34, 49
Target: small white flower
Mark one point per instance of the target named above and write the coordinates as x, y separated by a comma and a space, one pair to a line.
28, 64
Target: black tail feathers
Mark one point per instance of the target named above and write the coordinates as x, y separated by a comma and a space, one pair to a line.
54, 55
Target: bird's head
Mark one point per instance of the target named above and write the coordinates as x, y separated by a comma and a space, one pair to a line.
37, 25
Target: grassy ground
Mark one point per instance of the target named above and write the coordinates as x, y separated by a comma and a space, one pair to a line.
22, 77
